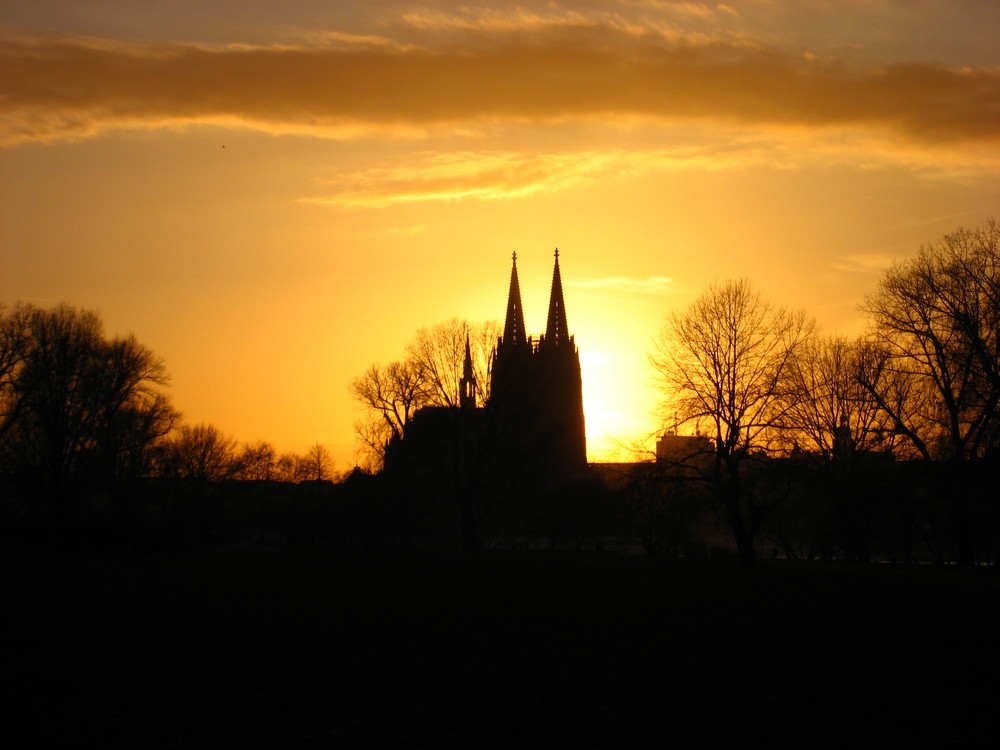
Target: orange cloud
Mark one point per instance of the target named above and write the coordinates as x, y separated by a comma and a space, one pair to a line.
863, 263
453, 176
72, 88
500, 175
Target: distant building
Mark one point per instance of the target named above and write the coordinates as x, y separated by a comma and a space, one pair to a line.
680, 448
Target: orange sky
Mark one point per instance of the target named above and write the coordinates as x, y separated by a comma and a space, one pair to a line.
274, 195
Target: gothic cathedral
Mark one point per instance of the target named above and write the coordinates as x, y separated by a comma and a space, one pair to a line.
530, 433
536, 384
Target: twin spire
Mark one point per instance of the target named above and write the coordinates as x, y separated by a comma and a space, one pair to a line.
556, 328
513, 327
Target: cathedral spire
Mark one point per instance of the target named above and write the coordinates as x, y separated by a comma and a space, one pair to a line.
467, 385
556, 329
513, 328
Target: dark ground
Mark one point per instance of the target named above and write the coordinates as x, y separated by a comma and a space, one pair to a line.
288, 648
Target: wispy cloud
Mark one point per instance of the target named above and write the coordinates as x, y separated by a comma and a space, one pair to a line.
503, 175
648, 285
863, 263
516, 68
454, 176
648, 19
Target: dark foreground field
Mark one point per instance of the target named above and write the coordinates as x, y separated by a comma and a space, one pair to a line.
289, 648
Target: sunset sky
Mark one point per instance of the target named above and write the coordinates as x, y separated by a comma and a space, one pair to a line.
274, 194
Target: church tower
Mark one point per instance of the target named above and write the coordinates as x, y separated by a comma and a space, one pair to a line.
467, 387
556, 328
561, 384
536, 386
513, 353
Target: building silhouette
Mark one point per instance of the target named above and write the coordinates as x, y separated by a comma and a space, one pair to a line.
526, 440
536, 389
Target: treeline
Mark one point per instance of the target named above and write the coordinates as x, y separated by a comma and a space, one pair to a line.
882, 446
89, 436
921, 385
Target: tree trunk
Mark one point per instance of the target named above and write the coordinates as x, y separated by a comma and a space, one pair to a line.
741, 532
731, 491
959, 505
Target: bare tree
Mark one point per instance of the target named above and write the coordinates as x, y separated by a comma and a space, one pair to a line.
390, 396
429, 376
455, 462
906, 403
833, 408
438, 354
15, 335
724, 366
290, 467
662, 496
936, 318
319, 463
56, 411
203, 453
847, 436
451, 463
256, 462
134, 410
75, 404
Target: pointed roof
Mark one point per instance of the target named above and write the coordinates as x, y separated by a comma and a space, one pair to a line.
556, 329
513, 327
467, 387
467, 373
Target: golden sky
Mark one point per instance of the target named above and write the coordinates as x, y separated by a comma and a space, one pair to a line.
274, 194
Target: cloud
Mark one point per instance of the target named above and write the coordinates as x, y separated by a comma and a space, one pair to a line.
448, 177
863, 263
501, 175
454, 176
664, 19
491, 175
649, 285
509, 69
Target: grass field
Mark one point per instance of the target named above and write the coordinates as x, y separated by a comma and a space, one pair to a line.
300, 648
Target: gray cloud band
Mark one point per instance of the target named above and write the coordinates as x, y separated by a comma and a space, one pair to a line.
67, 88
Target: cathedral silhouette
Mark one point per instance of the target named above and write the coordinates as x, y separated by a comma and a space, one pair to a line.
536, 385
527, 437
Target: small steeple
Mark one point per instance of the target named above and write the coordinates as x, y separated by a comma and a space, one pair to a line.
513, 327
467, 385
556, 329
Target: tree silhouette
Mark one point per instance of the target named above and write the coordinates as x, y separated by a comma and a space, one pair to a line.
256, 462
15, 334
438, 356
318, 462
77, 408
832, 405
203, 454
837, 420
290, 467
389, 395
724, 366
452, 446
429, 376
661, 497
936, 323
